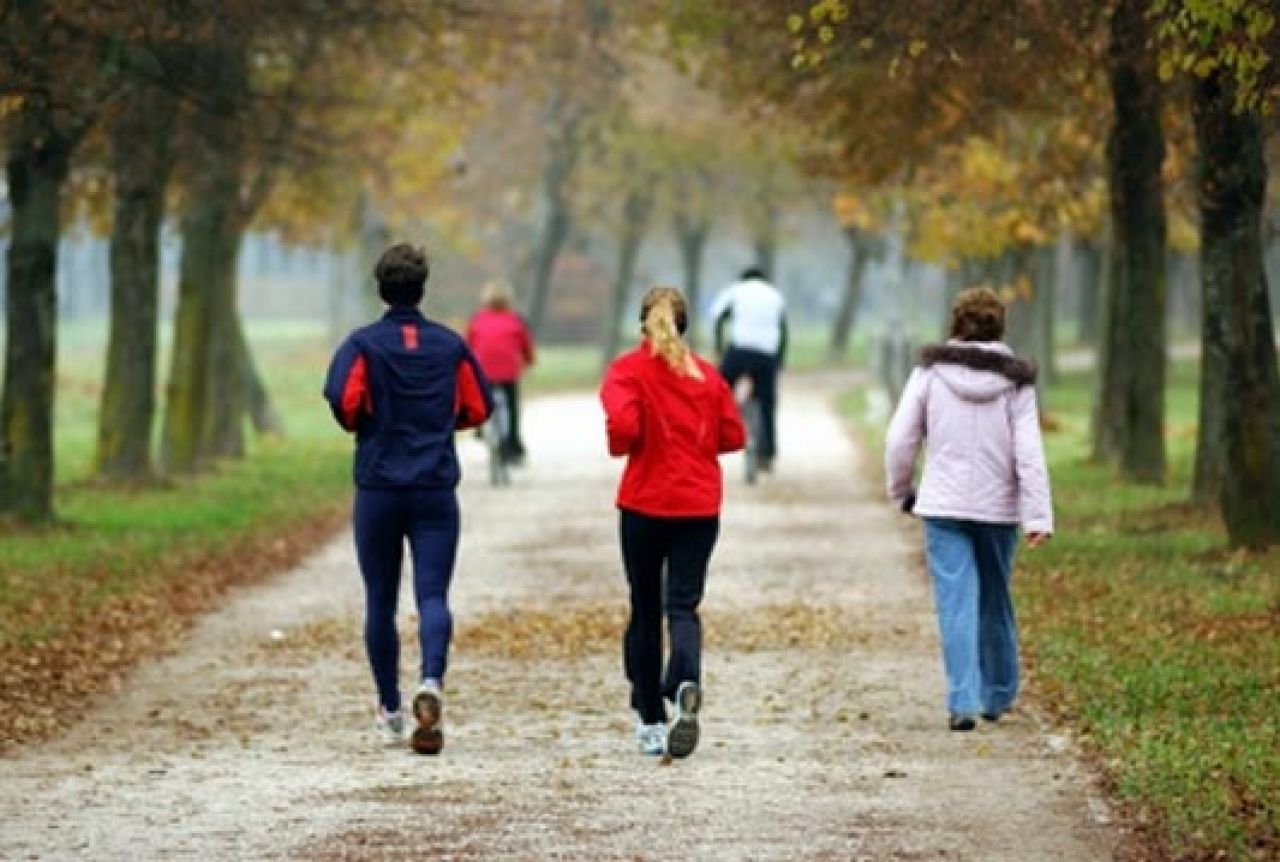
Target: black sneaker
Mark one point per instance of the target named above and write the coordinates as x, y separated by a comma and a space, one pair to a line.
961, 722
682, 738
992, 717
428, 709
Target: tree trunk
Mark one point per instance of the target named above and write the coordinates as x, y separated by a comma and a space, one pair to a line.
262, 411
36, 169
636, 209
766, 240
225, 390
141, 161
1089, 290
851, 296
211, 231
1239, 338
1130, 416
691, 237
1050, 269
559, 220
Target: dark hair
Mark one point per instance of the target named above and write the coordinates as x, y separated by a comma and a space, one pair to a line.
752, 272
402, 273
977, 315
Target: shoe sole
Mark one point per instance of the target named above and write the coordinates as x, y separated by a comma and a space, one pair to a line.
682, 738
963, 724
427, 737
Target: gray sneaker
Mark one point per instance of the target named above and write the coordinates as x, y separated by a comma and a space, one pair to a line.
652, 739
388, 727
682, 738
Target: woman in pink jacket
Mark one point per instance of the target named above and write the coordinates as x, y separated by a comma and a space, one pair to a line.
974, 403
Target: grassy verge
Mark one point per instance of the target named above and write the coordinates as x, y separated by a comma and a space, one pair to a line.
1158, 643
122, 571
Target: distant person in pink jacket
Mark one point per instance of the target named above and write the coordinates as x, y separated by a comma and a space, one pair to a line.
503, 346
973, 403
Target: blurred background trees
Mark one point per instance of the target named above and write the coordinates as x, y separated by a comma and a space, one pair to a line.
173, 170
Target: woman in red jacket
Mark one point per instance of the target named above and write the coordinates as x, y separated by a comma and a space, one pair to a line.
671, 413
503, 345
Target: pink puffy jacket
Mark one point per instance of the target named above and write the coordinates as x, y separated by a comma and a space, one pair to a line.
975, 405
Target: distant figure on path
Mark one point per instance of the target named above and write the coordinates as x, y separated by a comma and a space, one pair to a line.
754, 313
973, 404
502, 343
670, 412
404, 385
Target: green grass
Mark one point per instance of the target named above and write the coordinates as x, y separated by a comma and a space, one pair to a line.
110, 543
1161, 645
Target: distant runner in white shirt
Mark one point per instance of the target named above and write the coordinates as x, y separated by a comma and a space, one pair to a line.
754, 314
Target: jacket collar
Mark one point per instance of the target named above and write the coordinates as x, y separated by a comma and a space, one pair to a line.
981, 356
403, 313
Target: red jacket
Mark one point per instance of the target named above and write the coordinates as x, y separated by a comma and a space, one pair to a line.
501, 343
671, 428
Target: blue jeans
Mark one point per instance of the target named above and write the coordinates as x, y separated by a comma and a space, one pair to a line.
971, 563
383, 519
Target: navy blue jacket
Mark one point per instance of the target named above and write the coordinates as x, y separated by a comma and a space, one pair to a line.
404, 385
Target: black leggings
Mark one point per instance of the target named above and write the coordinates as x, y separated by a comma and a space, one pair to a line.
683, 547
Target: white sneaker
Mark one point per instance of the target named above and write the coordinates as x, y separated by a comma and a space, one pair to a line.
388, 727
652, 739
682, 739
428, 710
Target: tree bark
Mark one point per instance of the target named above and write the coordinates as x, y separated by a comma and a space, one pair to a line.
1090, 290
636, 209
36, 169
1130, 416
1239, 341
691, 238
141, 162
851, 297
226, 389
765, 241
211, 230
561, 162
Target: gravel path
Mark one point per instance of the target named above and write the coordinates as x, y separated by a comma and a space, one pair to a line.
823, 733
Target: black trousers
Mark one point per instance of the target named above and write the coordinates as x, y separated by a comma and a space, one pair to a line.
512, 444
666, 563
762, 369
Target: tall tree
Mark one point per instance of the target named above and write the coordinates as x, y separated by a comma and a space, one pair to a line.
1129, 422
1240, 390
56, 82
141, 159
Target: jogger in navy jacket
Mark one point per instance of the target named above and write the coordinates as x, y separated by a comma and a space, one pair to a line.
404, 385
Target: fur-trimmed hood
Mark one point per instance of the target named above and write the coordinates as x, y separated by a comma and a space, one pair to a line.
978, 370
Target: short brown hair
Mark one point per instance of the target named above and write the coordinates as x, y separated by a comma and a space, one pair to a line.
402, 274
977, 315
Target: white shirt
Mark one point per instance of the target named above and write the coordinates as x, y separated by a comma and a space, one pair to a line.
756, 311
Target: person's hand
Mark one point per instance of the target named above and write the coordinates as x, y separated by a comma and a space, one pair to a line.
1035, 540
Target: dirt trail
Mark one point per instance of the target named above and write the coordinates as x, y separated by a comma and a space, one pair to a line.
823, 735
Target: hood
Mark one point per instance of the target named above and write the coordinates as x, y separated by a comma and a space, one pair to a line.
978, 370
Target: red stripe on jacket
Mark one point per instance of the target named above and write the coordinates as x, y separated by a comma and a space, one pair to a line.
355, 394
468, 403
409, 334
672, 428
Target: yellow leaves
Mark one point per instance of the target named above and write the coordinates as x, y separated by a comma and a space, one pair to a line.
795, 23
917, 47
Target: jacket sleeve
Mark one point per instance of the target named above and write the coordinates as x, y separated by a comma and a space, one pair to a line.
1035, 501
733, 434
620, 396
346, 386
473, 400
526, 343
903, 439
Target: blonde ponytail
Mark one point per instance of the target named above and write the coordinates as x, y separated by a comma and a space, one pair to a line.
662, 317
